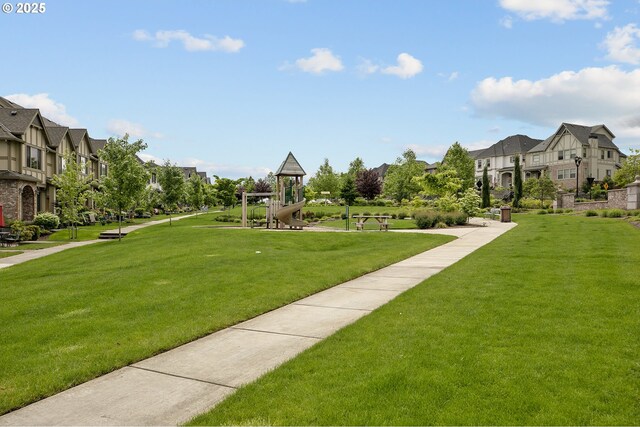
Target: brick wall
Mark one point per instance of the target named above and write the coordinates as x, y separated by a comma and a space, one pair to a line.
9, 198
617, 199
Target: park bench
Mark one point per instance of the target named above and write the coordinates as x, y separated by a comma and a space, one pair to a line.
494, 213
381, 219
8, 239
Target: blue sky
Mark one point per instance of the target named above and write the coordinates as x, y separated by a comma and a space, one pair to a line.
231, 86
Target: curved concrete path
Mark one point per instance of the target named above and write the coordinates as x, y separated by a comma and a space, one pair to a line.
28, 255
175, 386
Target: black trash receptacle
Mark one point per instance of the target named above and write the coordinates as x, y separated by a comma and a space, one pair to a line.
505, 214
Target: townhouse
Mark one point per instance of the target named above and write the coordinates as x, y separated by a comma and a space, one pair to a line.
555, 156
32, 151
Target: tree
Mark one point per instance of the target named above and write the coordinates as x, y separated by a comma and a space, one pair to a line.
348, 190
486, 193
629, 170
368, 184
399, 182
171, 179
209, 195
73, 191
517, 183
540, 188
226, 190
458, 159
195, 191
355, 167
126, 177
325, 179
262, 186
470, 202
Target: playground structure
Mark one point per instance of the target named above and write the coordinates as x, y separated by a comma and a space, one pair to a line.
284, 207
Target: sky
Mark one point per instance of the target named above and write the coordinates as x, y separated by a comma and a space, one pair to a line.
231, 86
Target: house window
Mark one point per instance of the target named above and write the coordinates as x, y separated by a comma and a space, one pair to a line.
34, 158
488, 163
609, 172
103, 169
479, 164
512, 159
560, 156
584, 152
62, 164
84, 164
602, 154
153, 178
609, 154
566, 173
536, 159
560, 174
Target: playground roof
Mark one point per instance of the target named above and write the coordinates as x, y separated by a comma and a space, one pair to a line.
290, 167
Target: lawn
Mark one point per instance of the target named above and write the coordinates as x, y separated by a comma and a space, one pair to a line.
29, 246
8, 253
72, 316
540, 327
371, 224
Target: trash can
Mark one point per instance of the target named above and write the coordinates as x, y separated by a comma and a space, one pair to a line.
505, 214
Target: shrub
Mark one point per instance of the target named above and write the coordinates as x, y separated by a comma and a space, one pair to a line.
429, 219
590, 212
568, 210
559, 211
542, 212
612, 213
34, 230
441, 225
403, 215
460, 218
425, 219
47, 220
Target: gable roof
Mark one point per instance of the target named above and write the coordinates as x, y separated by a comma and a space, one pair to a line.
511, 145
96, 144
57, 134
290, 167
581, 133
17, 121
76, 136
5, 103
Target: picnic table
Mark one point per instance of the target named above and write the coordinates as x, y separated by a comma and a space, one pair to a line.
383, 221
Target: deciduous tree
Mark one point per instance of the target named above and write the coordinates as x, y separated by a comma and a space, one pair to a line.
73, 191
171, 179
629, 170
348, 190
368, 184
195, 192
458, 159
399, 182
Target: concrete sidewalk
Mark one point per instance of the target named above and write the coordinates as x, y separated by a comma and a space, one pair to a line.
173, 387
28, 255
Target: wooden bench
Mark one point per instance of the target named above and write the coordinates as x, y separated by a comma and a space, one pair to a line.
381, 219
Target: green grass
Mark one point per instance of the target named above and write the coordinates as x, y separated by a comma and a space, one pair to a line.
72, 316
371, 224
5, 254
91, 232
32, 246
540, 327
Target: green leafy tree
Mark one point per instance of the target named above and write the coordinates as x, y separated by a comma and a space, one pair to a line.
445, 182
348, 190
171, 179
126, 178
470, 202
400, 181
368, 184
355, 167
629, 170
325, 179
458, 159
517, 183
540, 188
195, 192
226, 190
210, 198
73, 191
486, 191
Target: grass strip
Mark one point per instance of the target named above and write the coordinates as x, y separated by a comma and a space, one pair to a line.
540, 327
83, 312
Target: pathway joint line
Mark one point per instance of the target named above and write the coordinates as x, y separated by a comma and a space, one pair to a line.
182, 377
276, 333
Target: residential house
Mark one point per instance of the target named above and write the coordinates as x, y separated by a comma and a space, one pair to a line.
500, 159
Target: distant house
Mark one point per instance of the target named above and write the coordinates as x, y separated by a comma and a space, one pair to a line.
383, 168
500, 158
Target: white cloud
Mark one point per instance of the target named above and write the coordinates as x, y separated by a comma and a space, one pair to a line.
430, 151
322, 60
590, 96
557, 10
120, 127
622, 44
163, 38
507, 22
151, 158
226, 170
49, 108
407, 67
366, 66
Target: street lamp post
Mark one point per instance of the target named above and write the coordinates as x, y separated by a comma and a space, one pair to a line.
578, 161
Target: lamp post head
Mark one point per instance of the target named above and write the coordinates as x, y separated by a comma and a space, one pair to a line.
578, 161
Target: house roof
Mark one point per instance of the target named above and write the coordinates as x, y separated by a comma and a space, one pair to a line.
582, 134
9, 175
475, 154
6, 135
5, 103
57, 133
290, 167
77, 135
18, 120
96, 144
511, 145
